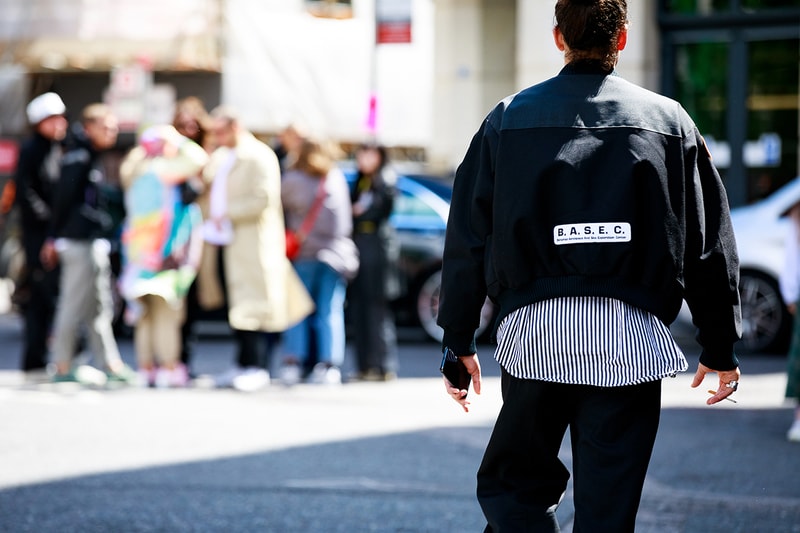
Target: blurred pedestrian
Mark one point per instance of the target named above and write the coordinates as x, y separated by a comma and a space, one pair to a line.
288, 143
161, 246
790, 289
191, 120
315, 187
36, 179
290, 140
245, 221
372, 195
82, 222
587, 208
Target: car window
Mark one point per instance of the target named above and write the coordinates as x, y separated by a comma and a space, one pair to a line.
406, 204
439, 187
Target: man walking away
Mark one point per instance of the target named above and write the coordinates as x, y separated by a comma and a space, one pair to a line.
587, 208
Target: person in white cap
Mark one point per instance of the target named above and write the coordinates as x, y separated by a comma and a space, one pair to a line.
36, 178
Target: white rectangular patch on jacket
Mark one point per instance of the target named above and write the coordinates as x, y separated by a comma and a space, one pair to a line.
592, 232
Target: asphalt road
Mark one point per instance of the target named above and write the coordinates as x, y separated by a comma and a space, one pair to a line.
382, 457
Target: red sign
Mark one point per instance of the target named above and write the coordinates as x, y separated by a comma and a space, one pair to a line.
393, 32
393, 21
9, 153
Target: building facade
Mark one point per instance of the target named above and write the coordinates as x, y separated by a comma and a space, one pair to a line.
414, 74
733, 64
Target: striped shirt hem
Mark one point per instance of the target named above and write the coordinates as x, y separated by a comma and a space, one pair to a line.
587, 341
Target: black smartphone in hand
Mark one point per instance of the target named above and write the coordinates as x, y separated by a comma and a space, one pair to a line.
454, 370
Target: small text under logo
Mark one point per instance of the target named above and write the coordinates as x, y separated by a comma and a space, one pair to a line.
592, 232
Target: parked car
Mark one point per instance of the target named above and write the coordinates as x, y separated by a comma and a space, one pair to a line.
419, 218
760, 230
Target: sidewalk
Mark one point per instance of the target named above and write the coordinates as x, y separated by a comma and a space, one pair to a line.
383, 457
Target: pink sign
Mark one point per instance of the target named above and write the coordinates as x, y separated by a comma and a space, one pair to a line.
9, 153
372, 115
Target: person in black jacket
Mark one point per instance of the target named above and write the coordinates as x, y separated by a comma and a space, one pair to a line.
84, 218
587, 208
36, 178
372, 195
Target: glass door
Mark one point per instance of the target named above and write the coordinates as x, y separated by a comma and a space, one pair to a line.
740, 86
701, 86
773, 103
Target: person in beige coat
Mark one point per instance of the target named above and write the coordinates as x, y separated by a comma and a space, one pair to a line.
244, 219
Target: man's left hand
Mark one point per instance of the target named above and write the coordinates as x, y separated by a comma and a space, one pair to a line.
725, 378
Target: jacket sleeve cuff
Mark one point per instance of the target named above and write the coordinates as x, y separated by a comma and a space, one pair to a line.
719, 357
460, 344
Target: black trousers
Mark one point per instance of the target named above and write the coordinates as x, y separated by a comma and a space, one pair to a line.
612, 431
40, 305
187, 328
373, 321
252, 349
251, 346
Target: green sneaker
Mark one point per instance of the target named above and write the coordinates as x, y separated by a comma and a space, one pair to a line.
69, 377
83, 375
125, 376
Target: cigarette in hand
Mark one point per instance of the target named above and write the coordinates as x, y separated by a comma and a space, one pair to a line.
729, 399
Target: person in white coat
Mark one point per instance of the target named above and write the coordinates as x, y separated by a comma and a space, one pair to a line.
245, 222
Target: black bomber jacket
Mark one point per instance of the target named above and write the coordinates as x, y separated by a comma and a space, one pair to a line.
588, 185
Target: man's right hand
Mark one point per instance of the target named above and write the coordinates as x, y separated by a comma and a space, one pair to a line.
48, 255
474, 368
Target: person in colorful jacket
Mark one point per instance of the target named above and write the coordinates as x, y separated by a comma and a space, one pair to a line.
161, 249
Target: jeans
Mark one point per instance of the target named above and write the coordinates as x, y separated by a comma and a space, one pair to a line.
327, 288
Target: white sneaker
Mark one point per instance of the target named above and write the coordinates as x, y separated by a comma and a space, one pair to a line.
323, 374
225, 380
251, 380
794, 432
89, 375
290, 374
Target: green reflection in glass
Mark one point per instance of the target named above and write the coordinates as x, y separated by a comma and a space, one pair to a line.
769, 4
772, 110
701, 75
702, 7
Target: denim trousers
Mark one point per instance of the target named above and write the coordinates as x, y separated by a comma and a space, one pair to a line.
328, 289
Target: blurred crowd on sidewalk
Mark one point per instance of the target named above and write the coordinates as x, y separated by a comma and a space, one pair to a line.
199, 216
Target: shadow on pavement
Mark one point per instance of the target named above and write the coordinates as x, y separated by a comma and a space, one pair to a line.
421, 481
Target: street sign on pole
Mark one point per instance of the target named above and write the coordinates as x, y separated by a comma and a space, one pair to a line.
392, 21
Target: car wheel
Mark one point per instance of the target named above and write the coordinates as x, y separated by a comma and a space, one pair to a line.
765, 320
428, 308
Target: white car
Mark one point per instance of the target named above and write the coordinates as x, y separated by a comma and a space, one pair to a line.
760, 230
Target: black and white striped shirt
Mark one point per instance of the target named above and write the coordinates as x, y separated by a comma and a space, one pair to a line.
587, 341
